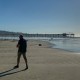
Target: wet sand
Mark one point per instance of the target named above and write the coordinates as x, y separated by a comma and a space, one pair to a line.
44, 62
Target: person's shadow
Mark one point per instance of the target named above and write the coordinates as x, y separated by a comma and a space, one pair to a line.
7, 72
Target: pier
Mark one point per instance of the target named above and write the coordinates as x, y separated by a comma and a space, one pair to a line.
63, 35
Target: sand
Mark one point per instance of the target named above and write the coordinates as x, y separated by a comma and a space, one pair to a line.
44, 62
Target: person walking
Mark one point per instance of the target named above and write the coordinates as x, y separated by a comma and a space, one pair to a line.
22, 49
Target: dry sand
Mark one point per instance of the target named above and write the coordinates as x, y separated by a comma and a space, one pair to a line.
44, 62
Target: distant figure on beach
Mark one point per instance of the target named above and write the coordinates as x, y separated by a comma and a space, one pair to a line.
22, 45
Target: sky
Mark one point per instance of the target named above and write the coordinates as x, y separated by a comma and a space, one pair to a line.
40, 16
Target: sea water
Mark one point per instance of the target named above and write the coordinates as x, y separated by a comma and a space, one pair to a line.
70, 44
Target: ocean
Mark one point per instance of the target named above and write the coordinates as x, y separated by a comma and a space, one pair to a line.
69, 44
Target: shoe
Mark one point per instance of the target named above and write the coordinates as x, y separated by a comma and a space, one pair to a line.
16, 66
26, 68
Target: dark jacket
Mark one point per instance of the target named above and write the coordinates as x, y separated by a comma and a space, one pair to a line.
22, 45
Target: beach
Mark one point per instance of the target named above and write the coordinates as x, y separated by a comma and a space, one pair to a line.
45, 63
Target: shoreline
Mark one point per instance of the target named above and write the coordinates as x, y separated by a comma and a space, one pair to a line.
50, 45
